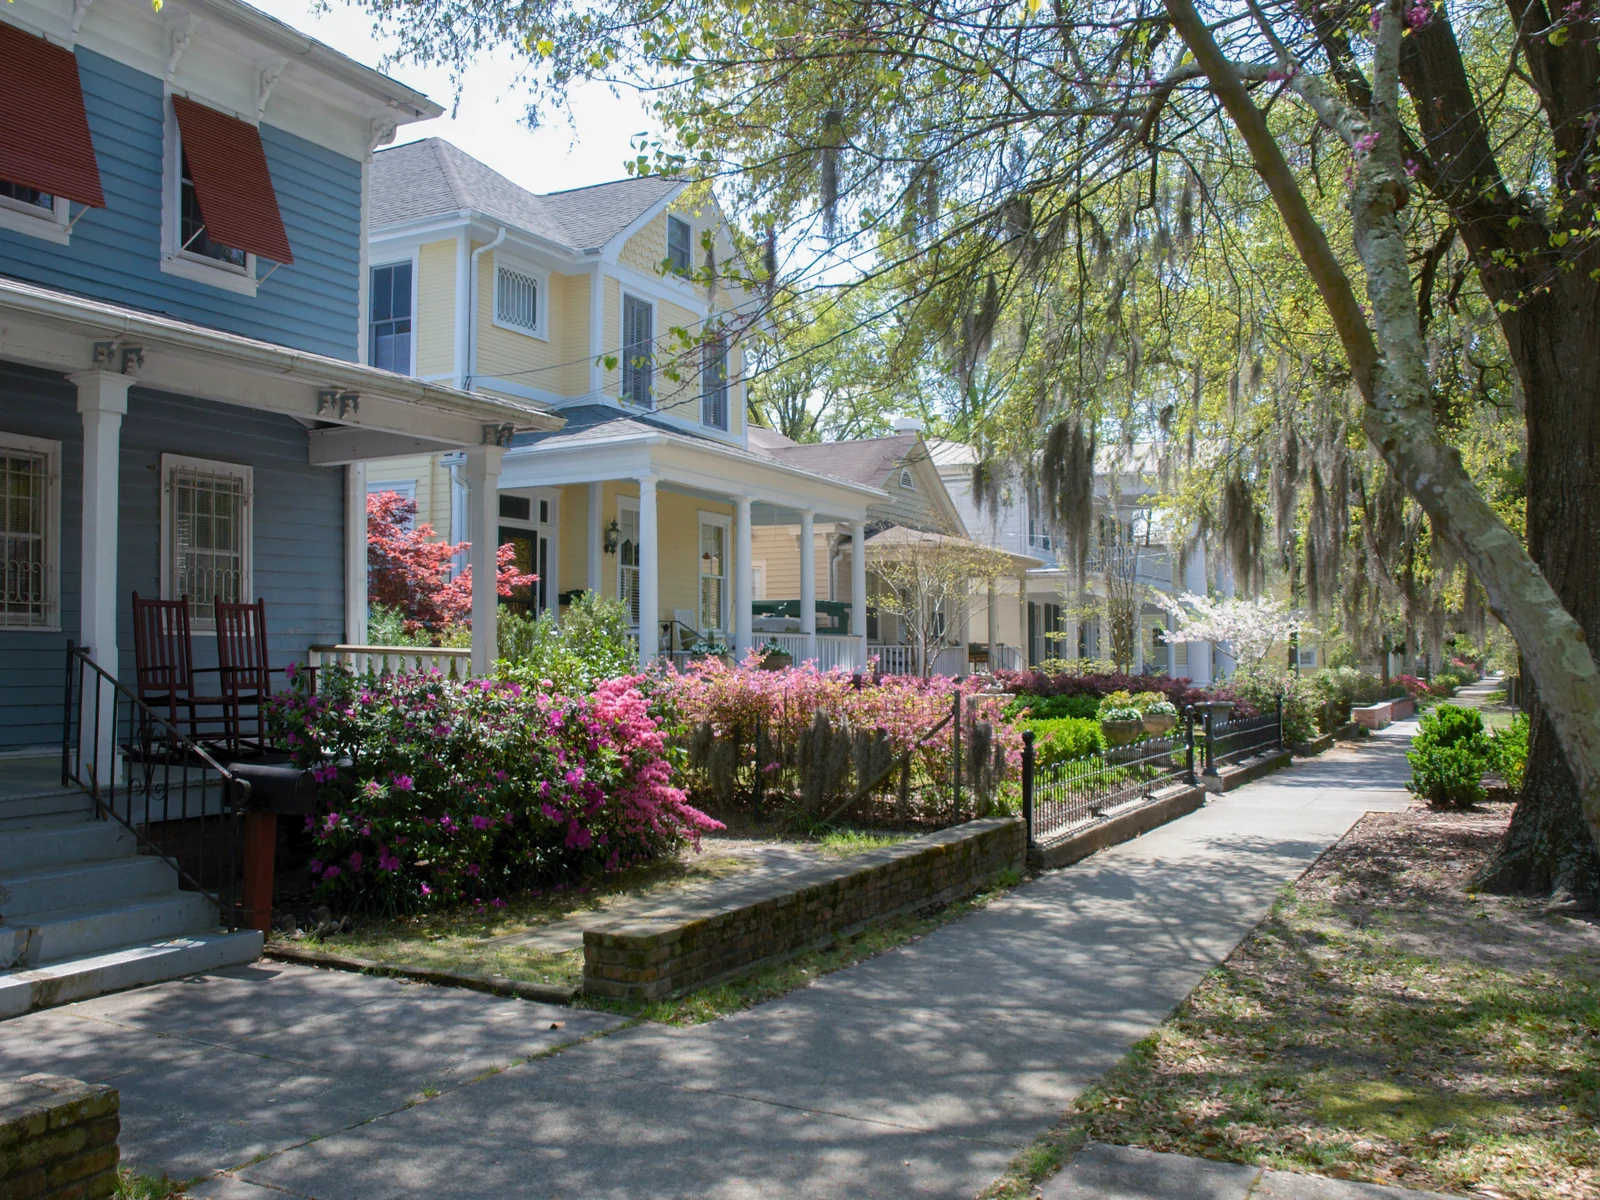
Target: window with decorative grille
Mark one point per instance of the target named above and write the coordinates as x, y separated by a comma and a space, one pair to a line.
516, 300
205, 533
29, 505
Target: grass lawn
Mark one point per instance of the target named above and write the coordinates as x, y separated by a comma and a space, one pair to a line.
1381, 1024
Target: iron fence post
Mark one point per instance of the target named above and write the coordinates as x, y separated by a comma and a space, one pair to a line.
66, 721
955, 761
755, 791
1280, 720
1188, 714
1027, 783
1211, 741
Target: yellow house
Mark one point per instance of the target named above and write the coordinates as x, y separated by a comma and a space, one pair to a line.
605, 304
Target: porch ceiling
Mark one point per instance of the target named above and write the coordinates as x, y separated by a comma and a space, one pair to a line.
363, 412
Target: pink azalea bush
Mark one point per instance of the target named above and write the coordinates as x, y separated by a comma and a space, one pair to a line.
436, 791
785, 703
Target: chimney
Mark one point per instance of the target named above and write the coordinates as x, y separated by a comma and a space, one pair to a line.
906, 425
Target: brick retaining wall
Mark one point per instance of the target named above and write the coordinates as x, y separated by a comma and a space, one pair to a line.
648, 959
58, 1139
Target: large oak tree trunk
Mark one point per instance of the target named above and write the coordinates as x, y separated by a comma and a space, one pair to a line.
1555, 342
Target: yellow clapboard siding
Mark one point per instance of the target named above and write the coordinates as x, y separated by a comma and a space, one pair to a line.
436, 309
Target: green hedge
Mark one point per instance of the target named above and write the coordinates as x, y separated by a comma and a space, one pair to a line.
1060, 739
1449, 756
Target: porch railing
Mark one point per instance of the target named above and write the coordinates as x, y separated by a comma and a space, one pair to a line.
176, 798
451, 662
895, 660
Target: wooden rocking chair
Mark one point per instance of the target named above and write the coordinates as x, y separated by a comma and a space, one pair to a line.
163, 663
246, 674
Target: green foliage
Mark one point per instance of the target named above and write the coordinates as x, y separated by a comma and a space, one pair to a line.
387, 627
1045, 708
590, 644
1508, 751
1117, 702
1448, 757
1060, 739
1121, 712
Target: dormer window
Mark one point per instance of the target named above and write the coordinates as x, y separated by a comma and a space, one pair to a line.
680, 234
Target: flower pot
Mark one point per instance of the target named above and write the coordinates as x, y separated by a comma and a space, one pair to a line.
777, 662
1159, 723
1120, 733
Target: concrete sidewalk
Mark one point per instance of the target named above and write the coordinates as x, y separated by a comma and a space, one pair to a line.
917, 1073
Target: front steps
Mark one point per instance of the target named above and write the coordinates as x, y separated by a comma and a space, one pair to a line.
82, 912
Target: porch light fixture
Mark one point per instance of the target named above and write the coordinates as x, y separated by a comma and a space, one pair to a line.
613, 537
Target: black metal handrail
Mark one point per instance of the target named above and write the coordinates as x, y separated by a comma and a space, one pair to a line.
114, 727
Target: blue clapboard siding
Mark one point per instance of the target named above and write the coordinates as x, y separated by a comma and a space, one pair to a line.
297, 522
115, 253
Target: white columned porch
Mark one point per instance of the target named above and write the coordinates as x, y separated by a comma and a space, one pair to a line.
858, 584
649, 572
808, 581
596, 534
355, 554
744, 576
994, 626
483, 517
103, 401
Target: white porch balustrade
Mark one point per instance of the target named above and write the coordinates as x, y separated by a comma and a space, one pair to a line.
392, 660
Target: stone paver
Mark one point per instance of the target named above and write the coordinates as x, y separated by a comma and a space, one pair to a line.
1100, 1172
918, 1073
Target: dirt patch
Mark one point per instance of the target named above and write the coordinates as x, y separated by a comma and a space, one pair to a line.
1382, 1023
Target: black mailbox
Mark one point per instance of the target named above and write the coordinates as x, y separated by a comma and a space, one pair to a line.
278, 787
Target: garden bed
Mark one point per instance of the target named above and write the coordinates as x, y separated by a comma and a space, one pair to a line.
1384, 1024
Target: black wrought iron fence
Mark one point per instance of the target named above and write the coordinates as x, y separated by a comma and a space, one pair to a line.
1058, 797
178, 801
1237, 738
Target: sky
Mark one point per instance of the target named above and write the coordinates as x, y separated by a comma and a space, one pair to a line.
489, 120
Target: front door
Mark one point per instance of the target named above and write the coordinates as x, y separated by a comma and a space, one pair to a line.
532, 558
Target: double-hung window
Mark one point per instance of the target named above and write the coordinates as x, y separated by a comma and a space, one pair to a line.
517, 302
714, 383
638, 351
30, 532
628, 562
205, 534
713, 575
47, 156
389, 338
680, 236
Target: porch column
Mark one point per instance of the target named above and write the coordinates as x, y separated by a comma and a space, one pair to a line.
355, 553
858, 584
596, 533
649, 572
1194, 580
1024, 642
483, 518
103, 401
744, 576
994, 627
808, 582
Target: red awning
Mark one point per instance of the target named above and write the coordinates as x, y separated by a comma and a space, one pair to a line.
44, 132
229, 169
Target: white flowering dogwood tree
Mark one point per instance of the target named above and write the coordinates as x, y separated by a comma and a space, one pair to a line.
1249, 628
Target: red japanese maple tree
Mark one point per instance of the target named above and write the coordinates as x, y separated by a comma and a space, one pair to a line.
410, 572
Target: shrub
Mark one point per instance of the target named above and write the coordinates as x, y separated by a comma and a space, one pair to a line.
1448, 757
1414, 687
1120, 712
1447, 776
589, 645
1118, 700
1147, 702
1046, 708
1062, 739
1508, 752
436, 791
1046, 681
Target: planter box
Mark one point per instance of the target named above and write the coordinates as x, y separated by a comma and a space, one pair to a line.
1374, 716
1402, 709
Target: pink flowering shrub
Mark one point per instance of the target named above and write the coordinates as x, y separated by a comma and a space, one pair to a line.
727, 704
436, 791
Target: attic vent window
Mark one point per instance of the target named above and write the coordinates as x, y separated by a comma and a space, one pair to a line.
905, 479
679, 235
516, 301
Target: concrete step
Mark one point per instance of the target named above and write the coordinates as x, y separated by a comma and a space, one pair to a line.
48, 889
128, 966
67, 840
29, 940
16, 811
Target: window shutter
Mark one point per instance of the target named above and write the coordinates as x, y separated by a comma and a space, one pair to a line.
229, 167
44, 130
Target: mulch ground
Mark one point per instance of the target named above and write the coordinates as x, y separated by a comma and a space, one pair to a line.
1383, 1023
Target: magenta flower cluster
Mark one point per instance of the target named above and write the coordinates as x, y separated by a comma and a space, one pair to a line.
436, 791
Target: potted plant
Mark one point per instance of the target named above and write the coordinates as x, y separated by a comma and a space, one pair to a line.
1121, 724
774, 657
1159, 716
711, 648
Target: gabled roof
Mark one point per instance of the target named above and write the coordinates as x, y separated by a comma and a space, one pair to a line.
867, 460
432, 178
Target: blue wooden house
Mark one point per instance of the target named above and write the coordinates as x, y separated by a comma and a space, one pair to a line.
184, 408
